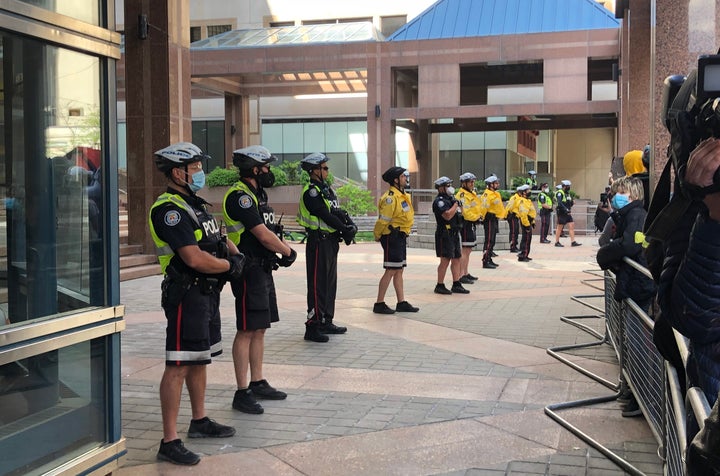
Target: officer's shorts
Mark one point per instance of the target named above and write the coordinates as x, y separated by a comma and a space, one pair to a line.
394, 251
255, 299
193, 332
447, 244
468, 235
564, 219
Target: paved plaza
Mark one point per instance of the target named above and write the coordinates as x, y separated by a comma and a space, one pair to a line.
455, 389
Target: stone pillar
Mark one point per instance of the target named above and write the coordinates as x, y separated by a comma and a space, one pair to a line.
635, 78
684, 30
236, 128
157, 100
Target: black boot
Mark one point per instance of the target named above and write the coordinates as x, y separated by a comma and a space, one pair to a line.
330, 328
312, 332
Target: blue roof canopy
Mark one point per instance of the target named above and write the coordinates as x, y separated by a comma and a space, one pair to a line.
463, 18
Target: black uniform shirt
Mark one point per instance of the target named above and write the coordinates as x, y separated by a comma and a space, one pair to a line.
315, 203
174, 226
240, 206
441, 204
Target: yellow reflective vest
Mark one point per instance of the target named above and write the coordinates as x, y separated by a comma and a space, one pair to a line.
470, 203
394, 208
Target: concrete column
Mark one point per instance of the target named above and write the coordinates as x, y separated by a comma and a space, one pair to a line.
157, 100
236, 125
635, 78
684, 30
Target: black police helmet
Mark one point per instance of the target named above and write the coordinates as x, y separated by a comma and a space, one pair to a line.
392, 173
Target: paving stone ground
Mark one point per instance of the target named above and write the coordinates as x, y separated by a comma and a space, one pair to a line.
458, 388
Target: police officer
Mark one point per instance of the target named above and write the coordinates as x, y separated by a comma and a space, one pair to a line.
326, 225
393, 225
195, 260
564, 204
545, 205
531, 180
250, 223
525, 211
470, 204
491, 210
448, 215
513, 222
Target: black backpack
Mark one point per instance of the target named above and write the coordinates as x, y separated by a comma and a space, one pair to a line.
601, 217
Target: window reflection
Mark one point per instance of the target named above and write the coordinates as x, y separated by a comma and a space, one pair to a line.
57, 401
83, 10
51, 233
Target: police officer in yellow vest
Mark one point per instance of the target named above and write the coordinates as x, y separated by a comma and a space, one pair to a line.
326, 225
195, 260
470, 203
393, 225
545, 206
251, 226
525, 211
491, 210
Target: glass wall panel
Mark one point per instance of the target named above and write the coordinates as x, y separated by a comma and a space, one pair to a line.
272, 138
52, 407
210, 137
314, 137
83, 10
336, 137
51, 187
338, 164
292, 139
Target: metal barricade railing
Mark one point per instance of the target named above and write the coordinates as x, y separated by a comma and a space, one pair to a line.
653, 381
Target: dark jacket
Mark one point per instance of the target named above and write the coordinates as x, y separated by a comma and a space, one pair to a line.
630, 283
696, 304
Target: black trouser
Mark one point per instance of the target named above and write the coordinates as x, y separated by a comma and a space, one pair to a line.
544, 225
490, 226
525, 242
321, 266
514, 230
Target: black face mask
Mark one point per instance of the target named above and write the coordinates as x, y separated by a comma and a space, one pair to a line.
266, 180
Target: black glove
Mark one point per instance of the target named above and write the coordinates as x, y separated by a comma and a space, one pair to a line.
286, 261
348, 234
237, 265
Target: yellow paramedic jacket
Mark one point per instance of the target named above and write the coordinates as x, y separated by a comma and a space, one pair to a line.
470, 203
491, 202
510, 207
394, 208
525, 210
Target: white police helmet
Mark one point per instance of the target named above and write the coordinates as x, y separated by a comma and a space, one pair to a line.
253, 156
467, 176
442, 181
532, 172
178, 155
567, 183
313, 160
491, 179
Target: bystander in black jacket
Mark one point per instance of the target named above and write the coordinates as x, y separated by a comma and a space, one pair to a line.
630, 283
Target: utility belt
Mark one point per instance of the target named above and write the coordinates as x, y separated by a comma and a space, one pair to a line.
322, 235
175, 286
395, 232
268, 263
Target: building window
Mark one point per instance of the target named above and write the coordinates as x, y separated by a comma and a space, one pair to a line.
482, 84
280, 24
405, 87
390, 24
195, 34
213, 30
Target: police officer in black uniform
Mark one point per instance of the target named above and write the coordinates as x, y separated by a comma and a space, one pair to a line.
326, 225
251, 226
448, 215
196, 260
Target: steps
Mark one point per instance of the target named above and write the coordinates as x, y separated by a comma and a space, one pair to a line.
133, 262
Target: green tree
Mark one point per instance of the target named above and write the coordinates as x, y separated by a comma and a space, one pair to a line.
355, 200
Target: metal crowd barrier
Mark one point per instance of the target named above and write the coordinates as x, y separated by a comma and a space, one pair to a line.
653, 381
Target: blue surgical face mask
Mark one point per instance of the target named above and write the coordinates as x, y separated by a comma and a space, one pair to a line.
619, 200
198, 181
